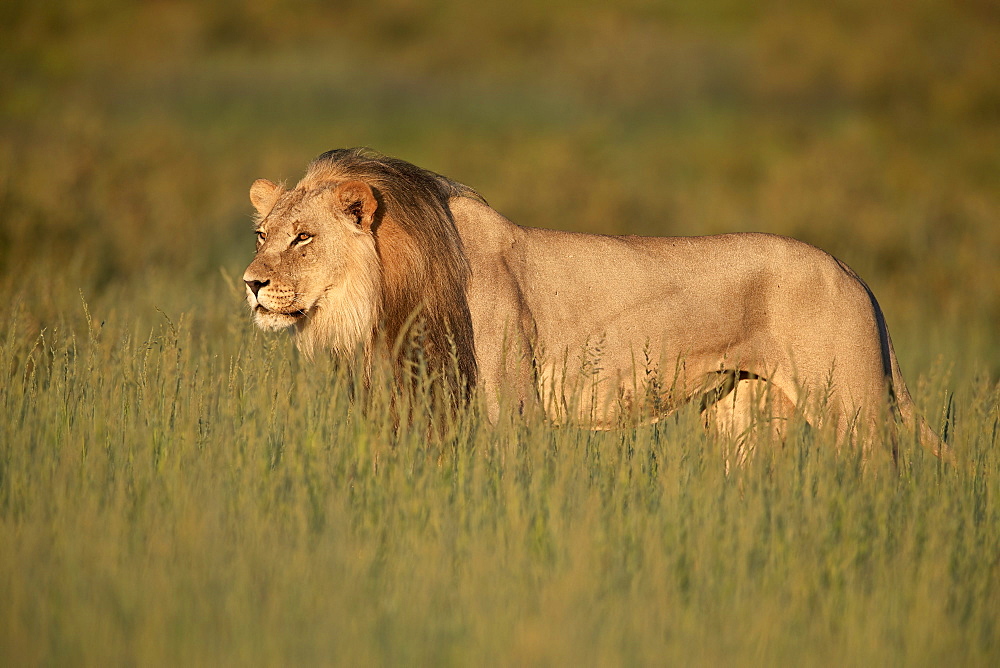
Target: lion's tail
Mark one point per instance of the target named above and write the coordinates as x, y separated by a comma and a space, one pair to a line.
901, 402
909, 416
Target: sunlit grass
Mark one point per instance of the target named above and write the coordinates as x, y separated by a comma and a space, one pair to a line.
166, 500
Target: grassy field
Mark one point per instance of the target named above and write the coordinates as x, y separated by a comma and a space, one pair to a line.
176, 488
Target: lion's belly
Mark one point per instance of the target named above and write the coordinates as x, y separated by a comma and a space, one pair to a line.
606, 380
623, 330
640, 355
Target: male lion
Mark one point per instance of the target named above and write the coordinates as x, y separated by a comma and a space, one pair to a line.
367, 251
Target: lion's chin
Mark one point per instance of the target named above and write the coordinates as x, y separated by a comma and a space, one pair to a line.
272, 320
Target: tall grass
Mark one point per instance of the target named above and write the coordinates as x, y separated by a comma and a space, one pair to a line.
178, 489
170, 499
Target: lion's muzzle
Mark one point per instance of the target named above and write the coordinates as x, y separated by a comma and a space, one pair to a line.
274, 306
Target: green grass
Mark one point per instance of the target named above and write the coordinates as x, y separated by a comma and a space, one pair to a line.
171, 498
176, 488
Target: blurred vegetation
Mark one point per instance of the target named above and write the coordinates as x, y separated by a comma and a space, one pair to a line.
130, 132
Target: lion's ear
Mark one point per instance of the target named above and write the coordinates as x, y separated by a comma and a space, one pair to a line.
263, 195
357, 200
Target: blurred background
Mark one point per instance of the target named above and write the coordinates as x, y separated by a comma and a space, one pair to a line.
131, 131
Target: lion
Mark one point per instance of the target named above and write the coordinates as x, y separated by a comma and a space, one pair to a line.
368, 252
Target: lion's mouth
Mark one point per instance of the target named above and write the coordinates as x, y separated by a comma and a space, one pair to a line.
264, 311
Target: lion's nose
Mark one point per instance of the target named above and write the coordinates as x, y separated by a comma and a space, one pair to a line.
255, 286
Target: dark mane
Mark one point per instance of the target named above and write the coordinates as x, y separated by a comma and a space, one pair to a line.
425, 269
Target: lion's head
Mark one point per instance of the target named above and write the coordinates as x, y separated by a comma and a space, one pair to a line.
363, 251
316, 265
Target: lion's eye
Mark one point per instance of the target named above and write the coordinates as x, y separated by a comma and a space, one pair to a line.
302, 237
261, 236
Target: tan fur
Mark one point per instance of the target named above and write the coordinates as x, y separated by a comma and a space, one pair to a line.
747, 411
591, 329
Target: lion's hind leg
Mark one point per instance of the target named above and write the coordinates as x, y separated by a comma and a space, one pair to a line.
746, 409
